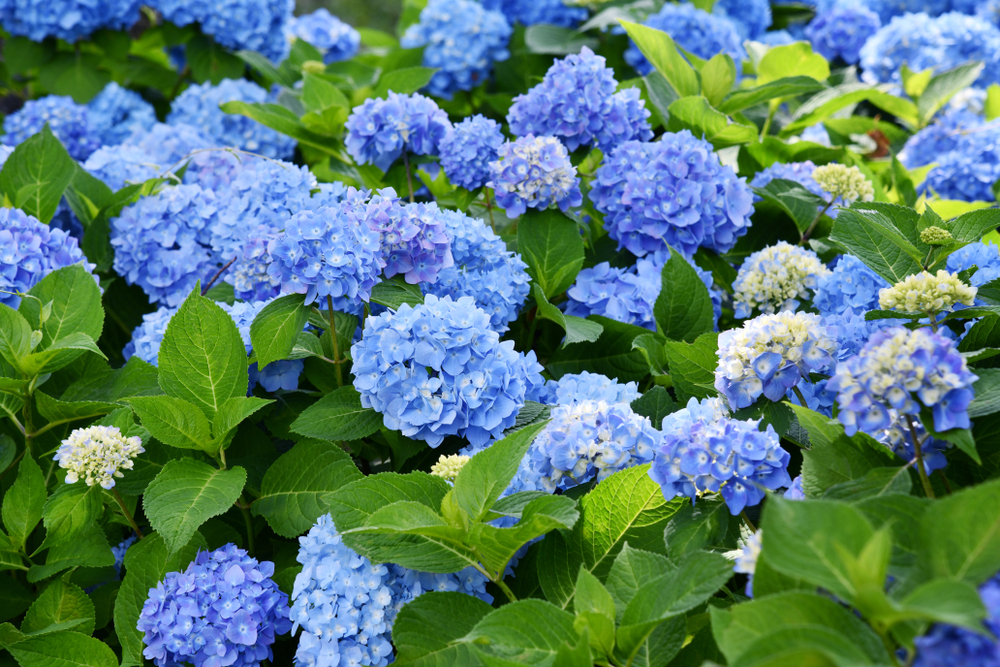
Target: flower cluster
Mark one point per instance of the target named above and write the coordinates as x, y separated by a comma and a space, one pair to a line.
923, 42
673, 192
29, 251
483, 268
145, 154
776, 278
439, 369
886, 9
249, 273
851, 285
534, 172
380, 130
798, 172
927, 293
842, 31
577, 102
770, 354
224, 609
97, 454
199, 106
584, 441
334, 38
448, 466
952, 645
117, 113
345, 605
413, 237
984, 256
846, 184
935, 235
148, 336
751, 18
256, 25
694, 30
587, 386
703, 451
66, 19
968, 171
940, 137
795, 491
462, 40
902, 370
69, 122
467, 150
530, 12
119, 551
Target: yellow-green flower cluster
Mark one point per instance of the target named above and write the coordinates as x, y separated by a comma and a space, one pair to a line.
97, 454
936, 236
776, 278
448, 467
848, 183
927, 293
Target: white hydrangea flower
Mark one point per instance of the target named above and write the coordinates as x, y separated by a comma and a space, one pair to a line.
776, 278
97, 454
848, 183
927, 293
448, 467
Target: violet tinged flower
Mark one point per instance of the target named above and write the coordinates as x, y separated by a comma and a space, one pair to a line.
795, 491
256, 25
117, 113
577, 102
483, 268
898, 438
851, 285
842, 31
97, 455
224, 609
467, 150
414, 238
746, 560
530, 12
776, 278
948, 645
704, 451
903, 370
345, 605
69, 122
771, 354
335, 39
777, 38
70, 20
534, 172
694, 30
673, 192
380, 130
462, 40
439, 369
586, 386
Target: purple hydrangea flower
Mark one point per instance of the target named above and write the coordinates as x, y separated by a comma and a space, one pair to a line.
534, 172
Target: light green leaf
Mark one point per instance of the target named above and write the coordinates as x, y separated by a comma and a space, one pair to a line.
427, 631
60, 354
876, 482
696, 114
551, 244
35, 175
15, 335
798, 203
875, 240
233, 412
23, 502
60, 603
943, 86
651, 348
338, 416
405, 81
786, 87
555, 40
632, 570
662, 54
68, 512
717, 78
496, 546
173, 421
960, 535
577, 329
276, 328
703, 525
683, 309
281, 119
76, 305
796, 59
394, 292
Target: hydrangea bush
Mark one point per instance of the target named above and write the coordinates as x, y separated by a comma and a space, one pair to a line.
522, 333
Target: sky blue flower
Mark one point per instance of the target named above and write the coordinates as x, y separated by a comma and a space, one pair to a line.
941, 136
148, 336
380, 130
752, 18
530, 12
224, 609
414, 240
945, 645
586, 386
851, 285
461, 40
887, 9
116, 113
69, 122
334, 38
257, 25
842, 31
467, 150
968, 172
693, 29
577, 102
145, 154
534, 172
66, 19
674, 192
776, 38
984, 256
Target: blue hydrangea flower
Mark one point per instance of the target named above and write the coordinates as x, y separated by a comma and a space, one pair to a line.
414, 240
334, 38
66, 19
777, 38
751, 18
467, 150
984, 256
380, 130
771, 354
119, 552
29, 251
484, 269
746, 559
345, 605
257, 25
439, 369
694, 30
248, 275
69, 122
842, 31
946, 645
461, 40
224, 609
851, 285
584, 441
968, 172
116, 113
887, 9
577, 102
795, 491
941, 136
199, 106
586, 386
897, 438
776, 278
673, 192
145, 154
703, 450
277, 375
534, 172
900, 370
530, 12
148, 336
923, 42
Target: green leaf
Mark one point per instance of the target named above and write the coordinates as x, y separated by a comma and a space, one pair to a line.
683, 309
497, 546
404, 81
232, 413
796, 59
960, 535
650, 346
291, 495
146, 563
60, 603
427, 631
86, 196
523, 632
276, 328
611, 355
15, 335
394, 292
186, 494
319, 93
60, 354
555, 40
577, 329
70, 511
876, 482
942, 87
593, 603
717, 78
692, 366
662, 54
23, 502
655, 404
174, 421
987, 389
35, 175
211, 62
281, 119
972, 226
552, 246
798, 203
874, 239
485, 476
696, 114
76, 305
63, 649
202, 358
703, 525
56, 411
338, 416
632, 570
89, 548
78, 75
786, 87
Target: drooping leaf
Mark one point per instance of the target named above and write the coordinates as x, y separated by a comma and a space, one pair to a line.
683, 309
428, 630
35, 175
551, 245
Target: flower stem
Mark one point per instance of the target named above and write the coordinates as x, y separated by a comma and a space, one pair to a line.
128, 515
506, 589
409, 177
798, 394
245, 509
333, 337
218, 273
812, 225
747, 521
918, 453
489, 207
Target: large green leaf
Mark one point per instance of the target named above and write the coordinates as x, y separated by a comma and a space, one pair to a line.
69, 511
798, 203
427, 631
35, 175
496, 546
683, 309
785, 87
705, 524
61, 602
76, 305
63, 649
611, 355
552, 246
788, 60
943, 86
696, 114
57, 412
59, 355
173, 421
960, 535
662, 54
276, 328
338, 416
24, 501
404, 81
284, 121
523, 632
692, 366
577, 329
210, 62
15, 335
89, 548
875, 240
395, 292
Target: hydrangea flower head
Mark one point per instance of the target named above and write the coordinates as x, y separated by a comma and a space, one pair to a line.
467, 150
941, 136
380, 130
703, 451
842, 31
148, 336
224, 609
439, 369
117, 113
145, 154
199, 106
97, 454
534, 172
586, 386
851, 285
801, 173
673, 192
483, 268
771, 354
898, 438
968, 171
414, 240
751, 18
335, 39
952, 645
577, 102
530, 12
795, 491
746, 562
462, 40
847, 184
29, 251
694, 30
984, 256
69, 122
902, 370
70, 20
925, 292
776, 278
249, 273
448, 466
346, 605
256, 25
934, 235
